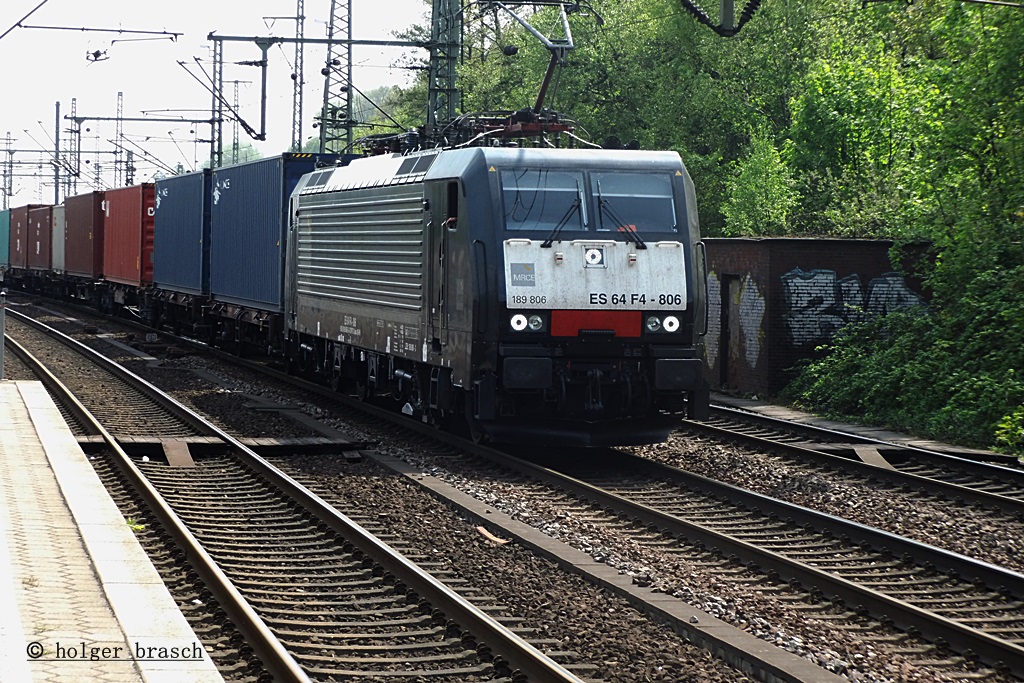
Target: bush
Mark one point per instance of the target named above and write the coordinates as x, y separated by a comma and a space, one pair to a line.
1010, 432
915, 372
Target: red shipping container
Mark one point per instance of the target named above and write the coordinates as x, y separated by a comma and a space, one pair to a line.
40, 237
128, 235
19, 235
83, 235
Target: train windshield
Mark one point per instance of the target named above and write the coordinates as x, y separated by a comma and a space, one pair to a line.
543, 199
567, 201
639, 202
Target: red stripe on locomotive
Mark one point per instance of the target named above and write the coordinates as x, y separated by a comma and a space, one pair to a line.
569, 323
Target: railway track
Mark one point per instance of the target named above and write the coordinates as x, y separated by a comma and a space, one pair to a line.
646, 649
803, 596
340, 599
949, 598
963, 476
952, 601
126, 409
830, 435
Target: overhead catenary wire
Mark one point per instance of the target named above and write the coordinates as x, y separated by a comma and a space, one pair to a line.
17, 24
53, 158
146, 156
220, 97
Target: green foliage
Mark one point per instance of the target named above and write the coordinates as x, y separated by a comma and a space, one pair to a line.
887, 120
954, 176
389, 109
245, 152
1010, 432
761, 194
951, 373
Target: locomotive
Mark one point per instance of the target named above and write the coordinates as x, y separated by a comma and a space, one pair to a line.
544, 294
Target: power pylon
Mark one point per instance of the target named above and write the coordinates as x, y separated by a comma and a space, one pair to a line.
445, 53
336, 113
217, 120
74, 152
8, 180
298, 76
119, 142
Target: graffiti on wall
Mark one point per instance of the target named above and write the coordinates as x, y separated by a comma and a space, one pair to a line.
750, 304
818, 303
714, 332
751, 308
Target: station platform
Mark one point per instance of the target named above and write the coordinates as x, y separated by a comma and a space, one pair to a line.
79, 599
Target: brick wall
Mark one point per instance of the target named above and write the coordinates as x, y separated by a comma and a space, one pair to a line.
772, 301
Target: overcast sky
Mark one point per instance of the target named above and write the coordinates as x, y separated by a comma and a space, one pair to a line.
41, 66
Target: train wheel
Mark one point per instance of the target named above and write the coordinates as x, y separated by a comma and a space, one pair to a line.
476, 431
473, 427
439, 419
363, 392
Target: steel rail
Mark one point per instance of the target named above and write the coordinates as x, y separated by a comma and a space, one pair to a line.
985, 646
812, 430
506, 645
956, 492
903, 614
947, 631
264, 643
161, 399
989, 648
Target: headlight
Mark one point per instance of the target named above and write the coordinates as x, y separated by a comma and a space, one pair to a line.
518, 322
671, 323
536, 323
653, 323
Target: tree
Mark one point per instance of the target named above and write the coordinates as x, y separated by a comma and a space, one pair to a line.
761, 195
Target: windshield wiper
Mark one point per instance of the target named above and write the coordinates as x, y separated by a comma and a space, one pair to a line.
626, 228
575, 207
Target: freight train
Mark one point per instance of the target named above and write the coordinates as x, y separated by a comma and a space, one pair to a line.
523, 294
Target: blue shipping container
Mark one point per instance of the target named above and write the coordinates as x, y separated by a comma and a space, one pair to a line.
181, 237
5, 238
249, 228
